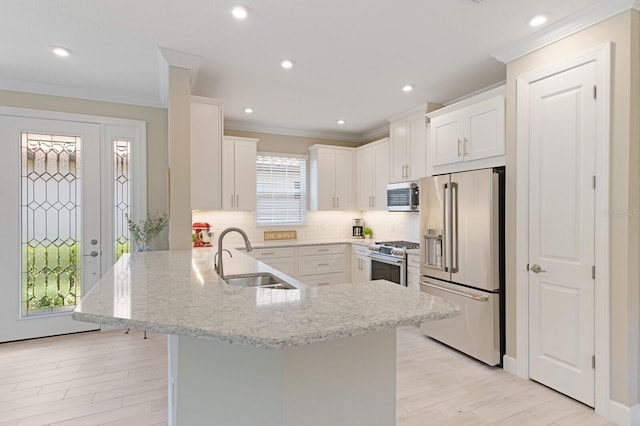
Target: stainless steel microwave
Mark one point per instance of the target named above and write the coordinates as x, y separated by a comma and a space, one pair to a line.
403, 197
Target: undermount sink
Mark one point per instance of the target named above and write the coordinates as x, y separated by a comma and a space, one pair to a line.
263, 280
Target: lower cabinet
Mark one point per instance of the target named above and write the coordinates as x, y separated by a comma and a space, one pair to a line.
282, 258
360, 264
322, 264
413, 271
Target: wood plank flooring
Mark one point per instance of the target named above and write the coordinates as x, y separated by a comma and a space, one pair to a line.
112, 378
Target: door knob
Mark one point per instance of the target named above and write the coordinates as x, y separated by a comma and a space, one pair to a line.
94, 242
537, 269
92, 254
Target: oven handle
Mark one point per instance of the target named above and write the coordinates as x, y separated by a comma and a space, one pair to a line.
459, 293
386, 260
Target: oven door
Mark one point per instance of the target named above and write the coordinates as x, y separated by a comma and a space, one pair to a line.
387, 268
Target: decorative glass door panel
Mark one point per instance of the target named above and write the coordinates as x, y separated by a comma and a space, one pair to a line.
51, 220
122, 196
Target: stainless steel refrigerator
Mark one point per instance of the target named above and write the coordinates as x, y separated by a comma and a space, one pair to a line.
462, 258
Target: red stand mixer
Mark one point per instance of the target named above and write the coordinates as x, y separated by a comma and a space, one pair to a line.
203, 234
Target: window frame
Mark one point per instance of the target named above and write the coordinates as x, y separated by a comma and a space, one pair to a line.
303, 189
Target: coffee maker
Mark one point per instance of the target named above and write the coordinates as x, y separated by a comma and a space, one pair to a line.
357, 228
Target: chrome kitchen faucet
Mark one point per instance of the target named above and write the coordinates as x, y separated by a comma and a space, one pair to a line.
247, 245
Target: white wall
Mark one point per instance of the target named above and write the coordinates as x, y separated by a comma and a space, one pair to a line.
322, 225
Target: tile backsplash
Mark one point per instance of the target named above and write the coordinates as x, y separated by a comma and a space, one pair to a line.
321, 225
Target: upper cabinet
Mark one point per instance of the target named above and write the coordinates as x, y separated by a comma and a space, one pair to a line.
407, 137
372, 175
206, 141
331, 178
468, 134
239, 173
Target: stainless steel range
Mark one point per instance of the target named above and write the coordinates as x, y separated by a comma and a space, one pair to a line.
389, 260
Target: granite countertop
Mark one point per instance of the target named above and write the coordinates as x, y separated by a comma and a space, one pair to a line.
178, 292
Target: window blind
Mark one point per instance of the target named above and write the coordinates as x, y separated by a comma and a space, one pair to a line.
281, 189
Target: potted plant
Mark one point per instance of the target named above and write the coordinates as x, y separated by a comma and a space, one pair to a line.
367, 232
146, 230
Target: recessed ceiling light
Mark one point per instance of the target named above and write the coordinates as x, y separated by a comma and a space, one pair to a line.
61, 51
239, 12
408, 87
539, 19
341, 122
248, 110
286, 64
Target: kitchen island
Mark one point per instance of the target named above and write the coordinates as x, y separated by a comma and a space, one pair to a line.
242, 356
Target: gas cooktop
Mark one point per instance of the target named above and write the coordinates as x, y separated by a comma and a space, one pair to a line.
399, 244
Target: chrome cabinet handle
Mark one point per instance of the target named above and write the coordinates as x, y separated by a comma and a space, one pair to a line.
408, 172
237, 201
232, 199
464, 147
536, 269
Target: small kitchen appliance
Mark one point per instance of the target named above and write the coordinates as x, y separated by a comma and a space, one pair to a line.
203, 236
389, 260
357, 228
403, 197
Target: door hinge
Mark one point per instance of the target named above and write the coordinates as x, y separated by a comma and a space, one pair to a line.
527, 266
593, 272
593, 362
595, 92
593, 181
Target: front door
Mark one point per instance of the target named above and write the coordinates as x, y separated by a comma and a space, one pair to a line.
50, 229
561, 232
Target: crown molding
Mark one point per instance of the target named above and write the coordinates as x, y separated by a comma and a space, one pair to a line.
174, 58
76, 93
245, 127
380, 132
565, 27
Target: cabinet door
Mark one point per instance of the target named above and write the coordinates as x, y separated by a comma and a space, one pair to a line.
326, 181
485, 129
380, 175
343, 179
206, 140
228, 175
416, 159
365, 170
398, 150
245, 175
413, 279
446, 139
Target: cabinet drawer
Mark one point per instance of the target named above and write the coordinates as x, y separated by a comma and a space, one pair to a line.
324, 279
359, 250
322, 249
268, 253
285, 265
413, 259
321, 264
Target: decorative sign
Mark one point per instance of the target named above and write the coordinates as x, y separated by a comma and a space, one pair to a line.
280, 235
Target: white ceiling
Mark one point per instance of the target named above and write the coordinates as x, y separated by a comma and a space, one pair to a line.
351, 56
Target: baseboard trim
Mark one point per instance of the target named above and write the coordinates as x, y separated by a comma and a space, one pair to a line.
510, 364
622, 415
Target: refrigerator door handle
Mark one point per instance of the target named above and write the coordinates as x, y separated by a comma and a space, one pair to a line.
455, 266
459, 293
446, 241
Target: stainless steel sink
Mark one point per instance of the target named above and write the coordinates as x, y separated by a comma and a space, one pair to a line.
263, 280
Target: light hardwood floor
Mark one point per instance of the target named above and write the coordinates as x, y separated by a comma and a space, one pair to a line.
111, 378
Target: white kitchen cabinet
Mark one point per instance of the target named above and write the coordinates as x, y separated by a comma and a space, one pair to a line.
470, 131
322, 264
331, 178
239, 173
206, 153
413, 271
372, 167
283, 259
360, 264
407, 137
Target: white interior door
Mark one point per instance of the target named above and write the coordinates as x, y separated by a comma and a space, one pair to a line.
51, 250
561, 232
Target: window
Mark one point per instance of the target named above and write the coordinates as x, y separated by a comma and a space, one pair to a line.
282, 188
